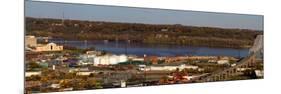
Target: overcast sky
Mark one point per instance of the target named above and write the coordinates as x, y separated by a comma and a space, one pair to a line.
141, 15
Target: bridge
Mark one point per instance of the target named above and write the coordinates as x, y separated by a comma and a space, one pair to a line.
247, 62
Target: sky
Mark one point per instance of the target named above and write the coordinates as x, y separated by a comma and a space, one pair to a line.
141, 15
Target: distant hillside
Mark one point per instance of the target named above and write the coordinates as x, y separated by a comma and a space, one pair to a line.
145, 33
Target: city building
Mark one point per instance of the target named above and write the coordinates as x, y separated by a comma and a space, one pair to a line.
31, 44
30, 41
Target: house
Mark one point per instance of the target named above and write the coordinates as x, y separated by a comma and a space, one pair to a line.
55, 85
85, 73
32, 73
223, 61
47, 47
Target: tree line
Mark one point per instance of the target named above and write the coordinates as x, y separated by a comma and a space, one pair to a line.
139, 32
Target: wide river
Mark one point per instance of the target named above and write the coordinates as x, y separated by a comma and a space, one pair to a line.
140, 49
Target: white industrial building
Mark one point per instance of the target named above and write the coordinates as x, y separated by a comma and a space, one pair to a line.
109, 59
103, 60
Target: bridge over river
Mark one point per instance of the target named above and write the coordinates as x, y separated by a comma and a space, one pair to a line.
256, 51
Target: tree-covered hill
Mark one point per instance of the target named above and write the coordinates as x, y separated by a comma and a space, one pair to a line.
138, 32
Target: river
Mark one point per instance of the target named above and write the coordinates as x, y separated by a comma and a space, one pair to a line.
140, 49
